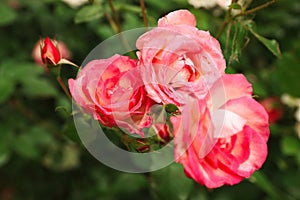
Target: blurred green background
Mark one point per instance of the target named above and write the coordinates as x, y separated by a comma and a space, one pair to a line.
40, 154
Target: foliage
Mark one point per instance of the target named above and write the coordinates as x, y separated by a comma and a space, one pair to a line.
40, 154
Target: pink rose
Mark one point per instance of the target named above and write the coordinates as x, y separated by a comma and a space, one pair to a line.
111, 90
176, 55
231, 132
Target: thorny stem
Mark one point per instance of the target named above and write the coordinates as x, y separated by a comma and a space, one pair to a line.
228, 17
144, 12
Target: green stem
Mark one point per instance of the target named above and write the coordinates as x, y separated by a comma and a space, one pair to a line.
253, 10
228, 18
63, 86
226, 21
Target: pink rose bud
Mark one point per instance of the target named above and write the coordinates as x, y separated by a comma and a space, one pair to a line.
273, 107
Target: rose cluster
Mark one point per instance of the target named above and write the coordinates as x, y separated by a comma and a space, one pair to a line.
221, 133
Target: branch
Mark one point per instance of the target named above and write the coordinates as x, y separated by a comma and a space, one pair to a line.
258, 8
142, 3
116, 18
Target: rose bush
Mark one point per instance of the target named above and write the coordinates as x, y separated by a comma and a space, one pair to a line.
221, 133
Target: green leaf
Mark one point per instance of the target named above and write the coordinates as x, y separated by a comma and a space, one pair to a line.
6, 138
262, 181
89, 13
38, 87
171, 108
128, 7
235, 6
7, 15
172, 183
6, 88
271, 44
24, 146
30, 77
29, 143
237, 43
290, 145
286, 76
19, 71
70, 131
136, 182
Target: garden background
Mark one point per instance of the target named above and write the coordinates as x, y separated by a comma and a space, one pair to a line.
41, 156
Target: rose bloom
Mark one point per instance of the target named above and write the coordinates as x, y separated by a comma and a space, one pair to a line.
48, 50
111, 90
176, 58
231, 132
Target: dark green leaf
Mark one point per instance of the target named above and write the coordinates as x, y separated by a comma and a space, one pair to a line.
262, 181
24, 146
136, 182
237, 43
6, 88
70, 131
7, 15
89, 13
290, 145
29, 143
171, 108
287, 75
271, 44
171, 183
6, 138
19, 71
39, 87
235, 6
128, 7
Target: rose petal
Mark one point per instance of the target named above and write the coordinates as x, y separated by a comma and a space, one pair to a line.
178, 17
229, 86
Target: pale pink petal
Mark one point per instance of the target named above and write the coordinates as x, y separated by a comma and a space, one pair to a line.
227, 123
178, 17
253, 112
229, 86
